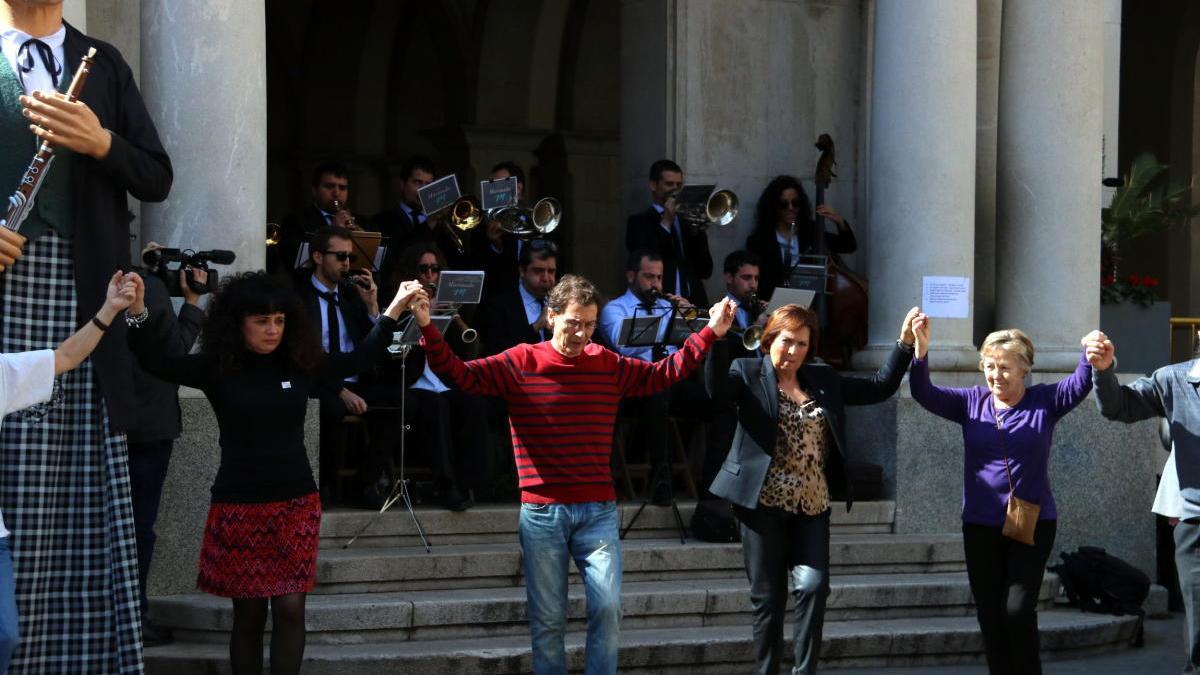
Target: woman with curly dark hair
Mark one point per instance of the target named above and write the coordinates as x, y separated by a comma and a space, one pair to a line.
784, 230
259, 362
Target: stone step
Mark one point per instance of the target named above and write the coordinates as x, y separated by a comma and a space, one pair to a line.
693, 650
489, 523
377, 569
352, 618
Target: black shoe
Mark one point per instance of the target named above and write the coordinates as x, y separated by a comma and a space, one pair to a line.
454, 500
154, 635
661, 496
375, 495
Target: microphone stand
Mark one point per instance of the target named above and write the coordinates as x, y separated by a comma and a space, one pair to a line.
400, 485
657, 476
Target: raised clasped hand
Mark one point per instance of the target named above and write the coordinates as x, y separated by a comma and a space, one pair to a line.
720, 316
1098, 350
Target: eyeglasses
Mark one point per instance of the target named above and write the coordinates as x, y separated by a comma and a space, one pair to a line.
427, 269
789, 203
342, 256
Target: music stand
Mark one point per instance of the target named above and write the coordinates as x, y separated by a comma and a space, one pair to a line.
645, 332
403, 341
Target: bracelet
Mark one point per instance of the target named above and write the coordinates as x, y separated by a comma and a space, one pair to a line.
99, 324
136, 320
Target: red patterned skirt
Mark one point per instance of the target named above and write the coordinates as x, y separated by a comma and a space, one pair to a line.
261, 550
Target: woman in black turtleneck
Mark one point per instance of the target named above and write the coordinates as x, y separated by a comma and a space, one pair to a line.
258, 364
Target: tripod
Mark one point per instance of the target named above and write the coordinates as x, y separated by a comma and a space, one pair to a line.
662, 473
400, 485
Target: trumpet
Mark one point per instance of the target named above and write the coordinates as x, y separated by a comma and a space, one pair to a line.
463, 215
751, 337
351, 223
274, 233
719, 209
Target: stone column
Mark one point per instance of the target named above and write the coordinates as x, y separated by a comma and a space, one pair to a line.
922, 168
1048, 172
203, 76
988, 71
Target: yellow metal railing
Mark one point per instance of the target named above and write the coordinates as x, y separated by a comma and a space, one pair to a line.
1184, 338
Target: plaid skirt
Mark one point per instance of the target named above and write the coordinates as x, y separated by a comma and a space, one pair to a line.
261, 550
64, 491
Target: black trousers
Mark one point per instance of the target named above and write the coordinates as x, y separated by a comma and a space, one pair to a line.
449, 429
1005, 576
385, 431
148, 464
776, 546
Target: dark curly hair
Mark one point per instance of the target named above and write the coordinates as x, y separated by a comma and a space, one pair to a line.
766, 213
252, 293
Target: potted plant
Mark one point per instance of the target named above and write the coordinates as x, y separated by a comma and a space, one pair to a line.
1145, 202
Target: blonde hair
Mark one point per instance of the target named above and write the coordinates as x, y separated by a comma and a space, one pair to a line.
1011, 340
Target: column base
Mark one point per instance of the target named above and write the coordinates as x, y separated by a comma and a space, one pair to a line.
962, 357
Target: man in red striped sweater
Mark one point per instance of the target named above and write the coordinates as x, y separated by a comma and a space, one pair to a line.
562, 399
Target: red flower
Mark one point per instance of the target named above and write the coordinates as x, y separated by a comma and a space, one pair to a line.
1149, 281
1108, 280
1133, 280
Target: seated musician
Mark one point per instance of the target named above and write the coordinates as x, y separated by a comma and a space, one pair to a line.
446, 423
330, 191
344, 308
519, 316
645, 297
784, 230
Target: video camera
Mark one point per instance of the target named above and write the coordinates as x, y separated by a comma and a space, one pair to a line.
157, 261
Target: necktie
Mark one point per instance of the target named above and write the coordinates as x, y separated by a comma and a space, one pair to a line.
678, 245
25, 60
541, 311
331, 317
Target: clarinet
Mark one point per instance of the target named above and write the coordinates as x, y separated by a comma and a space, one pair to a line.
20, 203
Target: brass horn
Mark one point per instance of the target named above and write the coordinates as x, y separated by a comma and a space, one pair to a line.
720, 208
523, 223
462, 216
274, 232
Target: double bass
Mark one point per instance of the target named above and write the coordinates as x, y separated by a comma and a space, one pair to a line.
843, 309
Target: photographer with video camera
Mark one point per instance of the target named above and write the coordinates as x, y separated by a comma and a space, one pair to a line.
159, 420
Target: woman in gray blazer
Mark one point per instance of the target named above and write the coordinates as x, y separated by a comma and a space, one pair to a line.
788, 454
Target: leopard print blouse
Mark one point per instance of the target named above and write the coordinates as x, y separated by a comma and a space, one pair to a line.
796, 478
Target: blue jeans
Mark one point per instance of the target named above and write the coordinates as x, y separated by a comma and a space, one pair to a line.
9, 634
551, 535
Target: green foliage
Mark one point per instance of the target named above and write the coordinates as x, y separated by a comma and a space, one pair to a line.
1146, 203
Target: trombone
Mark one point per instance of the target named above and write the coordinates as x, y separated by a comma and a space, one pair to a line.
719, 208
529, 223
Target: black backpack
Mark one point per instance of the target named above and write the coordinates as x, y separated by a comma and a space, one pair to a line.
713, 521
1096, 581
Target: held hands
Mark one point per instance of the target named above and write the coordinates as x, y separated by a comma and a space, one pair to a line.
1099, 350
65, 123
906, 326
123, 291
920, 327
10, 247
406, 299
353, 402
721, 315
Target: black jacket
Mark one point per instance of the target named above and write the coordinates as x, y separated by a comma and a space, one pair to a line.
159, 418
770, 268
643, 230
137, 165
354, 310
750, 385
502, 323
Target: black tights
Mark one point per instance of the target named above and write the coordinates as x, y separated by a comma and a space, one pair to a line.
287, 634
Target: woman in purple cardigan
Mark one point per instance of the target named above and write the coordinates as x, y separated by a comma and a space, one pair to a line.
1007, 427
